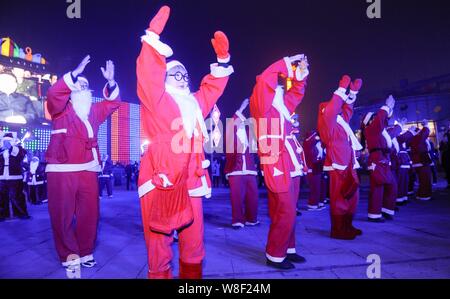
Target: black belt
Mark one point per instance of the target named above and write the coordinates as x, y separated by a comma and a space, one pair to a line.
383, 150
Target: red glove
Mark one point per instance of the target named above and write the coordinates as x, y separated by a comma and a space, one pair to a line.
355, 86
159, 20
221, 45
345, 81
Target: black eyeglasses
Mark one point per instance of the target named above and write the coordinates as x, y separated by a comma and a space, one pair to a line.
180, 76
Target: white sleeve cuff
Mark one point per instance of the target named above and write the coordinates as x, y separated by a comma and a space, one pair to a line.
287, 60
341, 92
15, 151
224, 60
69, 82
114, 94
386, 108
152, 39
220, 71
240, 115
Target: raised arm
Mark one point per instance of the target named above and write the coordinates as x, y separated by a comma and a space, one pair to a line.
59, 94
213, 85
151, 63
294, 96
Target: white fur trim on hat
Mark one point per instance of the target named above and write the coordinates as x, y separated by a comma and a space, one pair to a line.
367, 118
174, 63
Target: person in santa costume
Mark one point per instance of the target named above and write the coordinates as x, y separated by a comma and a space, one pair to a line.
173, 177
298, 167
73, 160
272, 106
401, 163
421, 161
11, 177
383, 186
341, 143
314, 155
240, 170
35, 179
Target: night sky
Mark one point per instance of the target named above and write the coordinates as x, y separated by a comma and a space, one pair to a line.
411, 41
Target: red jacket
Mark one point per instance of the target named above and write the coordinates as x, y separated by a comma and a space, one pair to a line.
274, 156
340, 153
419, 149
73, 143
403, 141
296, 153
314, 157
237, 161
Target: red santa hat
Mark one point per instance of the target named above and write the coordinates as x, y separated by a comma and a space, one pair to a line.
174, 63
8, 136
83, 79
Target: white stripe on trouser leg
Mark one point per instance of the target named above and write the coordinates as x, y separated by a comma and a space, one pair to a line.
374, 216
275, 259
291, 251
387, 211
423, 198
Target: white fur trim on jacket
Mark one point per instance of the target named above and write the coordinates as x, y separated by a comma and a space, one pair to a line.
114, 94
145, 188
388, 138
241, 116
355, 143
152, 39
59, 131
388, 110
69, 82
203, 190
15, 151
220, 71
367, 118
287, 60
224, 60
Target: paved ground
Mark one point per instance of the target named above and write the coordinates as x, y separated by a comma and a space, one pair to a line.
415, 245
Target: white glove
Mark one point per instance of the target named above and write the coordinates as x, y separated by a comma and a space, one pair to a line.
390, 102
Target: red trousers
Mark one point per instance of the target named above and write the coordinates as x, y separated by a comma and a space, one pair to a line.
73, 205
402, 184
282, 213
338, 204
317, 189
244, 198
190, 242
425, 186
383, 191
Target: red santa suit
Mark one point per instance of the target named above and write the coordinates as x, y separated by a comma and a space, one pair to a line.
383, 186
240, 170
400, 161
73, 162
341, 144
314, 155
173, 178
272, 108
421, 162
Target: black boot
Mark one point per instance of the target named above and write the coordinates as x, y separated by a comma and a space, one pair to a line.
295, 258
284, 265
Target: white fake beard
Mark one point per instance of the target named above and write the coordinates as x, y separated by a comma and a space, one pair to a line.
82, 102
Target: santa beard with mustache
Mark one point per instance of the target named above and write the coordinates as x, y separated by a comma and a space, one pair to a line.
82, 102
